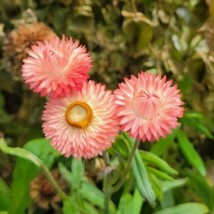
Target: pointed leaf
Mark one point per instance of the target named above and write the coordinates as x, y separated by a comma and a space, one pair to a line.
4, 195
195, 208
159, 174
168, 185
95, 196
140, 174
158, 162
190, 153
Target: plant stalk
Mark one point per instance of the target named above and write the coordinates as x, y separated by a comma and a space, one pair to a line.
106, 186
126, 170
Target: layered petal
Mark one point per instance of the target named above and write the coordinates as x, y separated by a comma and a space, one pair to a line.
56, 67
148, 106
72, 136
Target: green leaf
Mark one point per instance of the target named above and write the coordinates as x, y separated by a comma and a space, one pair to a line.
42, 148
27, 168
196, 208
89, 208
202, 188
140, 174
65, 173
38, 147
137, 32
125, 204
197, 125
168, 185
4, 195
70, 206
91, 193
185, 83
23, 173
145, 35
156, 185
168, 200
83, 190
142, 179
94, 195
190, 153
137, 202
77, 173
194, 115
159, 174
119, 147
158, 162
130, 204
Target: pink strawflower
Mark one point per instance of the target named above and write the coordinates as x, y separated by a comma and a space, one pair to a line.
148, 106
56, 67
84, 123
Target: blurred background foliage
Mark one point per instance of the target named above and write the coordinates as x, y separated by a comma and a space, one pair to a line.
172, 37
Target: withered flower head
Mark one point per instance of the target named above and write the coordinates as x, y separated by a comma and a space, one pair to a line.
42, 192
19, 41
95, 168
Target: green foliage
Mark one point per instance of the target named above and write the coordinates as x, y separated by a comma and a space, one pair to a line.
140, 173
154, 160
174, 38
4, 195
190, 153
144, 168
20, 187
196, 208
168, 185
130, 204
196, 121
27, 168
203, 189
137, 32
84, 195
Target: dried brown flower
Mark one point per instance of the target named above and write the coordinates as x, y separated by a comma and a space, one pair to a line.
42, 192
95, 168
19, 40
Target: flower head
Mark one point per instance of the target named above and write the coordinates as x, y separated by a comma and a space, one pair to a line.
42, 192
84, 123
148, 106
19, 41
57, 67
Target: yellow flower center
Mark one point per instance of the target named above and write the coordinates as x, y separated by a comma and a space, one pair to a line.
78, 114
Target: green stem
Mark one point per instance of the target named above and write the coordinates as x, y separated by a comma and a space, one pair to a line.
134, 8
52, 180
126, 170
106, 186
20, 152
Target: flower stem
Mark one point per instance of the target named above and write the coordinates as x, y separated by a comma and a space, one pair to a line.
106, 186
53, 182
126, 170
134, 8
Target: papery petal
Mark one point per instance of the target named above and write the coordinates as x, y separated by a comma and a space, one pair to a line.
148, 106
96, 137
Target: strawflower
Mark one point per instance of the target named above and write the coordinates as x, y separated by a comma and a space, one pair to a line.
148, 106
56, 67
82, 124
